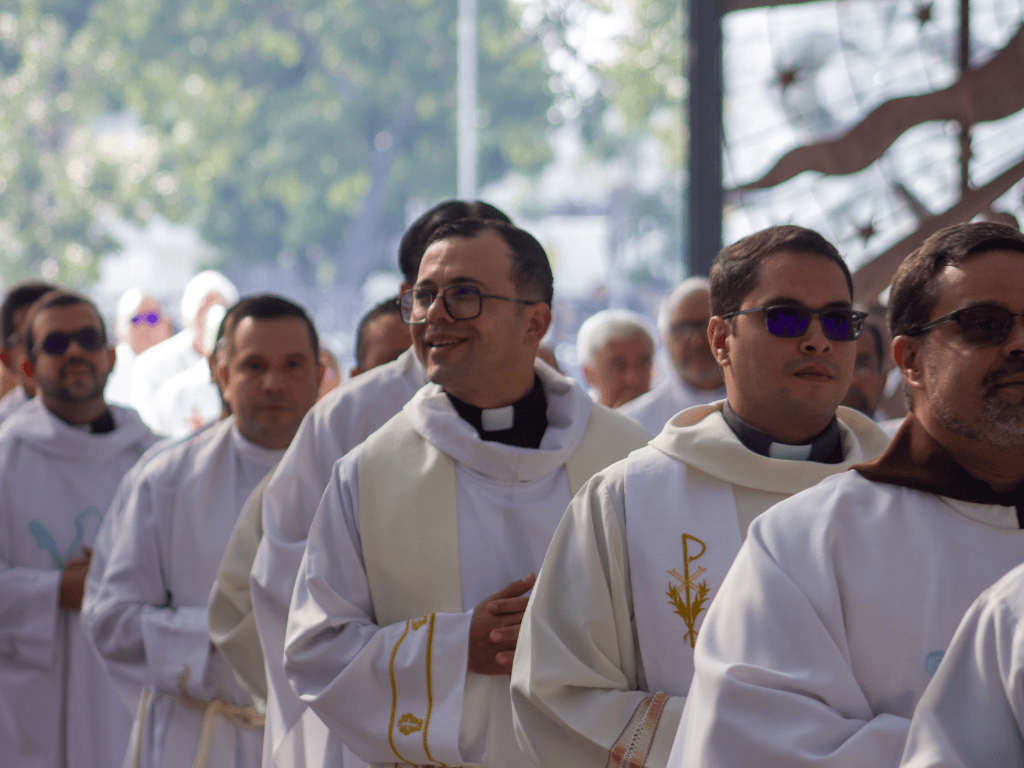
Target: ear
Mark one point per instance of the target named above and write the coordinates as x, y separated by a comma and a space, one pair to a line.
588, 374
354, 371
720, 339
112, 358
5, 358
539, 321
28, 368
906, 351
221, 377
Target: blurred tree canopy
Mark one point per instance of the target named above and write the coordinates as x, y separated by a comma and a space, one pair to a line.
277, 127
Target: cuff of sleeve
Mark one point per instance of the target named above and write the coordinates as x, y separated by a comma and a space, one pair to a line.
31, 639
428, 679
177, 650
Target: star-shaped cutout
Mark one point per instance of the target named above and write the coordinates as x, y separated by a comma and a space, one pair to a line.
866, 231
923, 12
788, 76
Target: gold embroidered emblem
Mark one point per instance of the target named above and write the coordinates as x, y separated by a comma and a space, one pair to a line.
417, 623
409, 723
696, 592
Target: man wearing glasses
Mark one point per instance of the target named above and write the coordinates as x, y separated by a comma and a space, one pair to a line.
694, 377
844, 598
63, 454
606, 653
407, 605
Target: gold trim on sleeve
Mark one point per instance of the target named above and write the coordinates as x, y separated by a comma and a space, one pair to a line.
394, 695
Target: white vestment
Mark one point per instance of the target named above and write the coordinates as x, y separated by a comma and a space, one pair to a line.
832, 620
57, 707
295, 737
156, 365
972, 713
654, 409
185, 402
11, 402
605, 653
118, 390
394, 687
148, 615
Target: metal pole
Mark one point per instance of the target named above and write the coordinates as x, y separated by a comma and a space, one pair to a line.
466, 118
704, 195
965, 128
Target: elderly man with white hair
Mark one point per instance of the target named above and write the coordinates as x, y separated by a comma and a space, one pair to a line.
695, 377
184, 349
616, 353
140, 323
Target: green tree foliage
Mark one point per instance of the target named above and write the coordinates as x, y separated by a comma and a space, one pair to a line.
275, 126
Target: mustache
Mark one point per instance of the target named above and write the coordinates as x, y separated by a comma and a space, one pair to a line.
75, 361
1012, 367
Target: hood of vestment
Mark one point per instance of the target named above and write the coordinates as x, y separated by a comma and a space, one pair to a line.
568, 409
34, 425
700, 437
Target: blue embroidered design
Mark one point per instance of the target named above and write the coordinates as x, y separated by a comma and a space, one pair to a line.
931, 661
45, 541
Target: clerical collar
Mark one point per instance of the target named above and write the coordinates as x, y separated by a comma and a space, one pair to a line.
915, 460
521, 424
101, 426
826, 448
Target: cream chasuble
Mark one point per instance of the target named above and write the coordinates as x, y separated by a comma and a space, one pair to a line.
380, 651
836, 614
606, 649
294, 736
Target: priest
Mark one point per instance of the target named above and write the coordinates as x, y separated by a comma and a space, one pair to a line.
844, 598
694, 376
148, 615
606, 648
407, 606
63, 454
295, 737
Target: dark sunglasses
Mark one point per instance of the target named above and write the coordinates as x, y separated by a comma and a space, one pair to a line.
980, 326
791, 322
57, 343
149, 318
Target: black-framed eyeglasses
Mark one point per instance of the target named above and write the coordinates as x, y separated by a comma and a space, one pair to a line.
149, 318
462, 302
986, 326
791, 322
57, 343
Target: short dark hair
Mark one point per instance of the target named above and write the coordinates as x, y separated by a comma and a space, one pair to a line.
531, 270
264, 306
914, 288
58, 298
21, 295
387, 307
416, 238
737, 267
876, 338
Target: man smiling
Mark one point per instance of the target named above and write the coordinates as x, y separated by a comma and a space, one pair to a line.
843, 599
409, 597
63, 454
605, 660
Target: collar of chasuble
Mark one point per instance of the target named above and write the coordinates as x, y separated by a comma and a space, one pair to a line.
915, 460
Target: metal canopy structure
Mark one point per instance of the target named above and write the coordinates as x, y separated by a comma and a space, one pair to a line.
876, 122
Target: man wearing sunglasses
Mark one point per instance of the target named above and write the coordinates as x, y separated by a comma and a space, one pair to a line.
606, 650
841, 604
63, 455
407, 606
